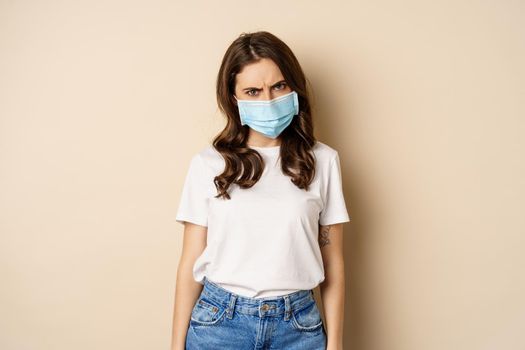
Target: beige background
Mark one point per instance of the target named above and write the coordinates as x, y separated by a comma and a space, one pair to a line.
102, 104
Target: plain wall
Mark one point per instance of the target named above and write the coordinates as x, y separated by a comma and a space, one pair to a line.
103, 103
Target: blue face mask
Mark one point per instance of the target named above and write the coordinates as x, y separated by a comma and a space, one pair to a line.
269, 117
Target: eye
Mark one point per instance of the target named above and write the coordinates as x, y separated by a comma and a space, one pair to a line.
282, 86
249, 92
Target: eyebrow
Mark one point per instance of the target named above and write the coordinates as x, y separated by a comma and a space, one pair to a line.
254, 88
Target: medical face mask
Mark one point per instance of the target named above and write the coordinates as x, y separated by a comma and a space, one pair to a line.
269, 117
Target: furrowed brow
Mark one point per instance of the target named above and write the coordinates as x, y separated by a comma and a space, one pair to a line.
258, 89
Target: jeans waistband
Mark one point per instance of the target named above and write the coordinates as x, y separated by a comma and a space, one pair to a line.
265, 306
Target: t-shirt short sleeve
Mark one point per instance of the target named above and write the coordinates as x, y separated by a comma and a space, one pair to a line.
334, 210
194, 200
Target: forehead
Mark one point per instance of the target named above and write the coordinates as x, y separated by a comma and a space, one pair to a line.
257, 74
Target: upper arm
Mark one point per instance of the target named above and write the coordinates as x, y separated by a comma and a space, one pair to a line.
331, 242
193, 209
194, 241
333, 214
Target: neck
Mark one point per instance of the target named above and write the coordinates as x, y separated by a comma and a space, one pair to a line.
256, 139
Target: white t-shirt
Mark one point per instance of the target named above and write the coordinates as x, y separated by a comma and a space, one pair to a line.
264, 240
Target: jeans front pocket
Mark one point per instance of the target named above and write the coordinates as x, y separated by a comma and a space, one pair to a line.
207, 312
308, 318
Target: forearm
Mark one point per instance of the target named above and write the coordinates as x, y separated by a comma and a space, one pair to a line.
333, 296
187, 291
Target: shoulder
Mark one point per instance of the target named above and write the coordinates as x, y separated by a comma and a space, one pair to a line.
324, 153
209, 159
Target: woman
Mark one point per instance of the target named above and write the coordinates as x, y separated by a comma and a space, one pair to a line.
263, 209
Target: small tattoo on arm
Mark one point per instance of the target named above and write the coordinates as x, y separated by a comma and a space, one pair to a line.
323, 235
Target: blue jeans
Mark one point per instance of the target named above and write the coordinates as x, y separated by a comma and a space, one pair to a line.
224, 320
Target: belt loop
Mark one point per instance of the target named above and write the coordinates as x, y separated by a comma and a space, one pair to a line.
231, 306
287, 307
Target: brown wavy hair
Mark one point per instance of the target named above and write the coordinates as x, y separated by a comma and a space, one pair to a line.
244, 165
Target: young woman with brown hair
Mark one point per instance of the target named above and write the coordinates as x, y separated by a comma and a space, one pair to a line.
263, 209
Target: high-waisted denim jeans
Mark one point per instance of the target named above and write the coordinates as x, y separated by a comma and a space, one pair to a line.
224, 320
